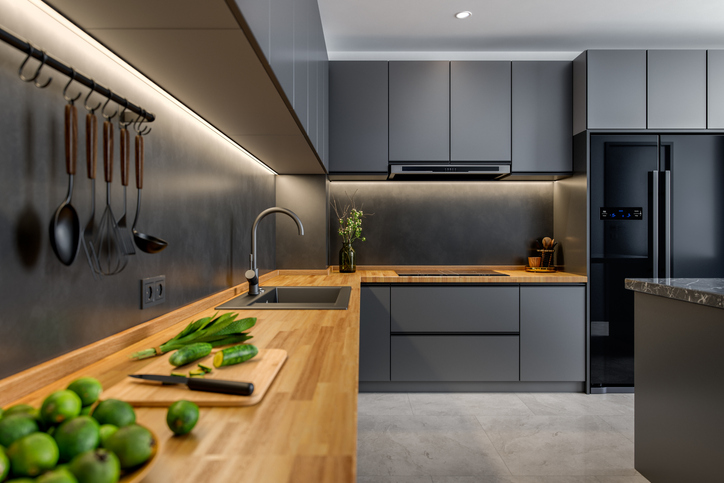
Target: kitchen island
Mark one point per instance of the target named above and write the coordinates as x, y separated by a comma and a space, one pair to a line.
305, 428
679, 325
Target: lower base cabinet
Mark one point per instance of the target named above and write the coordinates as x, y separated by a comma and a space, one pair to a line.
454, 358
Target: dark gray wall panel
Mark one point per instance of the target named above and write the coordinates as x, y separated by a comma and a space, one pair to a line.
358, 117
374, 334
480, 111
454, 358
542, 117
677, 89
305, 195
616, 89
715, 89
454, 309
446, 223
552, 333
200, 194
419, 110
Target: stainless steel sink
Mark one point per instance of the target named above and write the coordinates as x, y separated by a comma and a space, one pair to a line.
292, 298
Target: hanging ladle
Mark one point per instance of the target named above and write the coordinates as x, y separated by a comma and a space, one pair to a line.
65, 225
145, 243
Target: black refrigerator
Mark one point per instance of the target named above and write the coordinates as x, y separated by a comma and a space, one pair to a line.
656, 211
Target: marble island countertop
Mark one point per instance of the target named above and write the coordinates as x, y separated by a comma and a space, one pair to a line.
704, 291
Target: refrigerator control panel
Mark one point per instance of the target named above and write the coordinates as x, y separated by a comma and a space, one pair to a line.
608, 213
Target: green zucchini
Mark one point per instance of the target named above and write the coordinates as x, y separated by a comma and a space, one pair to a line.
190, 353
235, 355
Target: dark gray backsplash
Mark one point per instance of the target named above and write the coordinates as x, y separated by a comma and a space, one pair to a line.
446, 223
201, 194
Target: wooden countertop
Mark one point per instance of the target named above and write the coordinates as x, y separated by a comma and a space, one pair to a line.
516, 274
305, 428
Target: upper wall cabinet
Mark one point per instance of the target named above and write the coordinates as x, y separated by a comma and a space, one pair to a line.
358, 115
610, 90
677, 89
480, 94
715, 81
419, 111
542, 117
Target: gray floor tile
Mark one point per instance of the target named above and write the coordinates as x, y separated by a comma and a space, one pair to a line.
427, 445
394, 479
638, 478
551, 404
384, 404
560, 445
622, 424
489, 404
515, 479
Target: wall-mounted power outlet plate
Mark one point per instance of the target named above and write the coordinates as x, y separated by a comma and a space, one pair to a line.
153, 291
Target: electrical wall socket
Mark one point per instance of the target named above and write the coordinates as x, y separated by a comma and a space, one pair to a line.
153, 291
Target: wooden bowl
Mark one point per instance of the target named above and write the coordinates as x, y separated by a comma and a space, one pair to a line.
139, 473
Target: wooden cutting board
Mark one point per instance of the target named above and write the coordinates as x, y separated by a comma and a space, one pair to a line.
261, 371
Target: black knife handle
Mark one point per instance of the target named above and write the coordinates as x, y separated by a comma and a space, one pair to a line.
226, 387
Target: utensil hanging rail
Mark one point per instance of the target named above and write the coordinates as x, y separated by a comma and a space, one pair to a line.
38, 54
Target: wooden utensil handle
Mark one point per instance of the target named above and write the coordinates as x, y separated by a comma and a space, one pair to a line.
91, 144
71, 138
139, 162
125, 155
108, 151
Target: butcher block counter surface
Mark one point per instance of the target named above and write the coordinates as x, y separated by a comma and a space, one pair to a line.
305, 427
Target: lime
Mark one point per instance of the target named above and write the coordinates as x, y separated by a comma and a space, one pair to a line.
106, 431
86, 410
115, 412
87, 388
96, 466
4, 464
59, 406
133, 445
21, 409
182, 417
15, 427
58, 475
21, 480
77, 436
33, 454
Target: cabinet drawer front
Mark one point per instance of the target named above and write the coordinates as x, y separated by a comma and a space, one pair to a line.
454, 358
455, 309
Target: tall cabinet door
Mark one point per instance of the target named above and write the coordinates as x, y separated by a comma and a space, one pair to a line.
419, 111
542, 117
480, 96
715, 89
677, 89
358, 117
616, 81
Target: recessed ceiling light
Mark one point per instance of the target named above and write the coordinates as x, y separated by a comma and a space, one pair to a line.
464, 14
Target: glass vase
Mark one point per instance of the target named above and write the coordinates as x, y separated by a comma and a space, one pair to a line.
347, 263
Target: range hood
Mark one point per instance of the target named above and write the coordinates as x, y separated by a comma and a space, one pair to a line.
448, 171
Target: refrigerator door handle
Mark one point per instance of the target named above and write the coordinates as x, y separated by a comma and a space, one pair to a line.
667, 223
655, 221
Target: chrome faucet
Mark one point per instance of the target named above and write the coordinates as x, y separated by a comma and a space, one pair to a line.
252, 275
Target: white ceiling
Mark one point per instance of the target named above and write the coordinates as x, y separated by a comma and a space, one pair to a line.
515, 29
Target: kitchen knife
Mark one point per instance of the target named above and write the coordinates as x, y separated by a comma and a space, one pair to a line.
199, 384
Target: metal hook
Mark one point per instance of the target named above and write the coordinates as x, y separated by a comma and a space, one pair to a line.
85, 102
65, 89
37, 72
124, 125
103, 111
139, 122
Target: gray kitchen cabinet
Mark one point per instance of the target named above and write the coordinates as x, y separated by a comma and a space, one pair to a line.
455, 309
542, 117
419, 111
715, 86
281, 44
257, 16
480, 97
676, 89
374, 336
450, 358
301, 61
358, 117
552, 333
610, 90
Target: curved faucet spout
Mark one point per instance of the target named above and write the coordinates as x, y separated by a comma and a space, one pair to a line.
252, 275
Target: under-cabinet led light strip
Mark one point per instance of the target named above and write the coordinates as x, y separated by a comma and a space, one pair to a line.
48, 10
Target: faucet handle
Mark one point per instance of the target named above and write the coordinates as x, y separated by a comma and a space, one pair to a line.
252, 277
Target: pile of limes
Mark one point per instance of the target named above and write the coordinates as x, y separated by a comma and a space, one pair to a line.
73, 438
